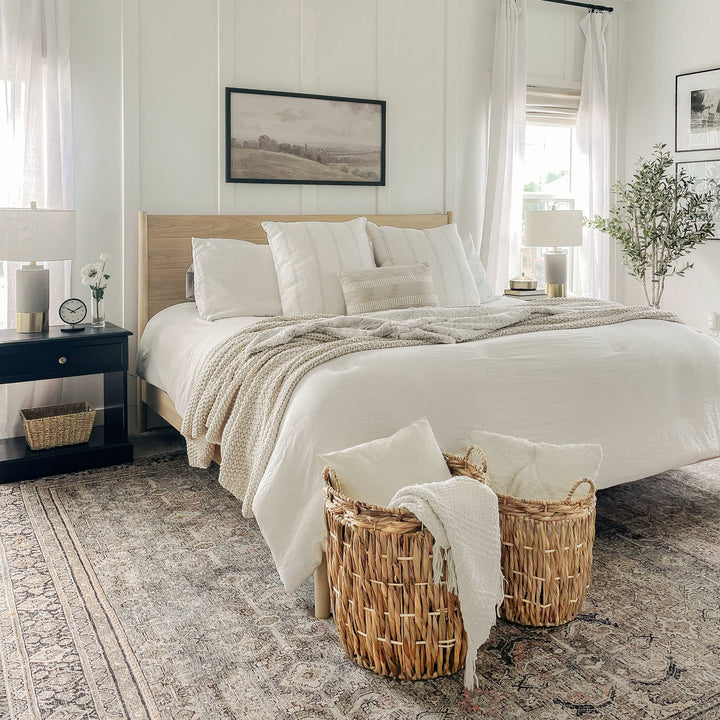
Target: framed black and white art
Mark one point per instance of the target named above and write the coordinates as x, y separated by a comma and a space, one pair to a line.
697, 111
706, 177
279, 137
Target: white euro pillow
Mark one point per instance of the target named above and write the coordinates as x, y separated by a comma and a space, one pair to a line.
374, 471
308, 257
537, 470
441, 247
234, 278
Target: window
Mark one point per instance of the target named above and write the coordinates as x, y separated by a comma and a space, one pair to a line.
548, 171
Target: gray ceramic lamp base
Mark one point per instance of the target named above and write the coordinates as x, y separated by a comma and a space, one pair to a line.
32, 298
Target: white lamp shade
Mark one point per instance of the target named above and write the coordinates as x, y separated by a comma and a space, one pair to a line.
553, 228
36, 235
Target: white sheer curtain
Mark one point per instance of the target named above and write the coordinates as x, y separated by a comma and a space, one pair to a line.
500, 248
35, 154
591, 266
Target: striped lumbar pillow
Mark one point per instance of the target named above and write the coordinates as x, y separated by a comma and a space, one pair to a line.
388, 288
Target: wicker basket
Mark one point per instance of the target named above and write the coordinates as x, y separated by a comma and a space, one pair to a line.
57, 425
390, 615
546, 555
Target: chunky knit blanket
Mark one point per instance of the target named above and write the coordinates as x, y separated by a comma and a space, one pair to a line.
245, 383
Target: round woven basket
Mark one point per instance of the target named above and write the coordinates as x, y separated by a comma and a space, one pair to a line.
546, 555
390, 615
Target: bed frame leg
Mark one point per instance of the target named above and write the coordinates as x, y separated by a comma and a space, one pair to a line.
322, 591
141, 409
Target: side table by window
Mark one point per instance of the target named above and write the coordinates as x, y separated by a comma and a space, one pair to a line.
54, 354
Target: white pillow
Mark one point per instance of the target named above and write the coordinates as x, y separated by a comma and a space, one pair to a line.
441, 247
536, 470
374, 471
308, 257
234, 278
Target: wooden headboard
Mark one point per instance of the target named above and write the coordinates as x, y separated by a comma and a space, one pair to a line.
165, 250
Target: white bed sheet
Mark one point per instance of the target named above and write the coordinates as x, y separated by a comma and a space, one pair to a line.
173, 345
647, 391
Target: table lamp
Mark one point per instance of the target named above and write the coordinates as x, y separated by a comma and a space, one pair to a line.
29, 235
556, 229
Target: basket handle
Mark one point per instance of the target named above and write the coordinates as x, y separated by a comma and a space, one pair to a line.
481, 455
331, 478
577, 485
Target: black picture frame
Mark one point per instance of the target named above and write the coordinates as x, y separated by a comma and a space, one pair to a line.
697, 111
703, 172
303, 139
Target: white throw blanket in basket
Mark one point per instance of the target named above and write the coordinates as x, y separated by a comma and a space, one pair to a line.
462, 515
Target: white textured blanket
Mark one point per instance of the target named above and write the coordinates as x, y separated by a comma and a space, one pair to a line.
462, 515
245, 383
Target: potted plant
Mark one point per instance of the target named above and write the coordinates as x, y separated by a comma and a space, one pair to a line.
657, 219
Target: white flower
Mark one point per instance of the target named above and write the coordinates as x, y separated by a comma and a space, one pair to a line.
94, 275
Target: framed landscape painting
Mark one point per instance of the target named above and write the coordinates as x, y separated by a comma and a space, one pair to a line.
697, 111
274, 137
706, 176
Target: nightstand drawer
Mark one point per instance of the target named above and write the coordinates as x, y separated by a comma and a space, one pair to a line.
63, 359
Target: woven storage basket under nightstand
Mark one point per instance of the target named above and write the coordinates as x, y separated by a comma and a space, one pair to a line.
57, 425
390, 615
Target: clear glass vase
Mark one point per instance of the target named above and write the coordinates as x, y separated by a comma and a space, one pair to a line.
97, 311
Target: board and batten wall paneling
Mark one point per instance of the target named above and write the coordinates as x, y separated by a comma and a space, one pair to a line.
386, 49
266, 51
662, 39
340, 42
416, 102
178, 101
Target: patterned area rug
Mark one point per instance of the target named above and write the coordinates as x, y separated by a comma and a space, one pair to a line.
140, 592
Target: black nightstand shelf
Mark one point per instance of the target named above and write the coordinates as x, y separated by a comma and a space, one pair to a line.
54, 354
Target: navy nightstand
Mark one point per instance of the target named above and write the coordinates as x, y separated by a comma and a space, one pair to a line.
55, 354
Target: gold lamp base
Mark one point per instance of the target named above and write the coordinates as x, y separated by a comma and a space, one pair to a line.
554, 290
32, 322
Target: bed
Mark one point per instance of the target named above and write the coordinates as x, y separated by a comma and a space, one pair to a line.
647, 391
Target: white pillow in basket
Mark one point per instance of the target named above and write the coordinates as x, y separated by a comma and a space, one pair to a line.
537, 470
374, 471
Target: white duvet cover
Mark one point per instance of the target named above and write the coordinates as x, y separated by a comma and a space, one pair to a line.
647, 391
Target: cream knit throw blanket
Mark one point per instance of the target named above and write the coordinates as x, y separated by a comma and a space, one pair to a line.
245, 383
462, 515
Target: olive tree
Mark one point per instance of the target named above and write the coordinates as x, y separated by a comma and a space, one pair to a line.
657, 219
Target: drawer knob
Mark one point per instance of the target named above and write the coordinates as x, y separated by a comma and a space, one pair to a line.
62, 360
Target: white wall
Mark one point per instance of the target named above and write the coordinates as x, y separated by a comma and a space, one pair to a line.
148, 104
664, 38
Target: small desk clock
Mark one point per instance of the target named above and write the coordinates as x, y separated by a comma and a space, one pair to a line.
72, 311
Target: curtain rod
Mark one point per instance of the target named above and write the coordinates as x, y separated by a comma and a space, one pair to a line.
581, 4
